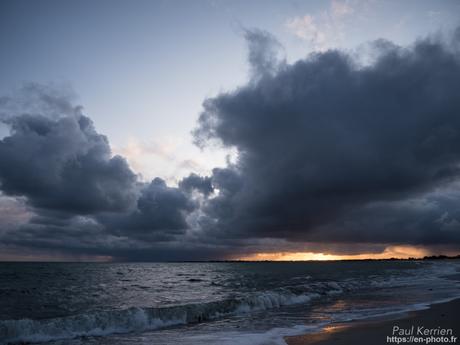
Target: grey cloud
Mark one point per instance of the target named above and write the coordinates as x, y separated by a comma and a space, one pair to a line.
75, 190
197, 183
264, 53
159, 214
431, 218
64, 164
324, 138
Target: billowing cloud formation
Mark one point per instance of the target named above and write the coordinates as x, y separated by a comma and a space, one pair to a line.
263, 54
330, 150
160, 213
197, 183
332, 155
78, 194
61, 163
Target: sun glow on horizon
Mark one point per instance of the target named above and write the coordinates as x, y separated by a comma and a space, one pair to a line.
398, 252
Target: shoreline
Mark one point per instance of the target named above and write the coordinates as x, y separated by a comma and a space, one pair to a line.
415, 327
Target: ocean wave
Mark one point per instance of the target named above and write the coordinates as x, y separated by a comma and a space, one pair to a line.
101, 323
275, 336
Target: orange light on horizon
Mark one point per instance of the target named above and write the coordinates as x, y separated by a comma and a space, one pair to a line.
399, 252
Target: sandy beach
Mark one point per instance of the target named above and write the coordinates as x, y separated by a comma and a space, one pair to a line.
438, 324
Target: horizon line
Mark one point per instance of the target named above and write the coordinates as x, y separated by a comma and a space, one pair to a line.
431, 257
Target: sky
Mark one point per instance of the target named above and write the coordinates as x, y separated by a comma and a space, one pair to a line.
189, 130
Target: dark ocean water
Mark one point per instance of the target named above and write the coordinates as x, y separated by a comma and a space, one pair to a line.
212, 303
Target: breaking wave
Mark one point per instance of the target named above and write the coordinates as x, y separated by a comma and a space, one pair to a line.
100, 323
135, 319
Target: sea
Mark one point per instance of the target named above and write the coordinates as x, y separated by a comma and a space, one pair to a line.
208, 303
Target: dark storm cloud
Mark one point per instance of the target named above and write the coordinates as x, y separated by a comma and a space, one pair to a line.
61, 163
194, 182
55, 159
159, 214
324, 138
432, 218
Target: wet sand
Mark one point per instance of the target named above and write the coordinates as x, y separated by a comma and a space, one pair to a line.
376, 332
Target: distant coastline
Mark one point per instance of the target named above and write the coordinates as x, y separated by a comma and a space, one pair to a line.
431, 257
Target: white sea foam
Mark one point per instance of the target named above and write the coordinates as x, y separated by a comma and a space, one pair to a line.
102, 323
275, 336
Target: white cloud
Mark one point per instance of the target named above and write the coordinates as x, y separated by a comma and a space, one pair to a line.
324, 30
341, 9
171, 158
151, 159
306, 29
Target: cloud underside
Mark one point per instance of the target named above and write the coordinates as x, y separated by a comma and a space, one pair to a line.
332, 157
